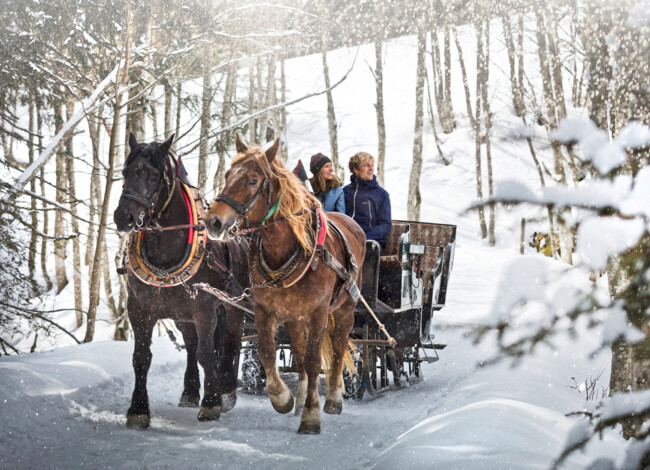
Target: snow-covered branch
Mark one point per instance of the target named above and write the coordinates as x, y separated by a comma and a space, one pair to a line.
88, 105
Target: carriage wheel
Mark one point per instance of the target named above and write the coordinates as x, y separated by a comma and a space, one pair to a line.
253, 375
397, 361
417, 365
354, 384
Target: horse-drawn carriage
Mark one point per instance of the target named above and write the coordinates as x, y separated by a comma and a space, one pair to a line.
403, 284
303, 270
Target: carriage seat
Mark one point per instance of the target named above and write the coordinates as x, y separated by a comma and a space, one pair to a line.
390, 254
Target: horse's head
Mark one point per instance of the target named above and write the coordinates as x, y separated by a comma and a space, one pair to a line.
148, 182
248, 190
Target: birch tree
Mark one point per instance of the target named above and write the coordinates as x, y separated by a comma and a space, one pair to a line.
414, 196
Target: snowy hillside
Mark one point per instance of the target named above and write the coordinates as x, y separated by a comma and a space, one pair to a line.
66, 407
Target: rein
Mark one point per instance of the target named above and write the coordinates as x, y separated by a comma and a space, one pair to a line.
246, 231
150, 228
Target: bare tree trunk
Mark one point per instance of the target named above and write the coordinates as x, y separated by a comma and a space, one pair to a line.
284, 146
252, 131
169, 92
516, 61
565, 234
93, 301
475, 120
483, 76
331, 120
179, 106
267, 97
379, 108
108, 285
10, 154
556, 65
477, 127
122, 322
101, 235
59, 221
259, 99
447, 118
577, 77
630, 62
135, 114
44, 250
3, 122
515, 85
153, 106
433, 121
206, 101
31, 260
76, 255
224, 137
414, 196
276, 114
438, 80
94, 127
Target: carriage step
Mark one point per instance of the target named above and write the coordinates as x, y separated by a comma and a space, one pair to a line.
434, 346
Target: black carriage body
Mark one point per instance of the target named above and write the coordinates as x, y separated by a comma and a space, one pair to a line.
406, 282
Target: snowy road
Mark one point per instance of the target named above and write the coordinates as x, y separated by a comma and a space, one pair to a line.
66, 408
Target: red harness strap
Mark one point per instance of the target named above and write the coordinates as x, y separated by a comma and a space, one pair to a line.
323, 229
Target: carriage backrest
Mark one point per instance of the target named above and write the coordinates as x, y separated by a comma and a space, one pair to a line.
393, 240
432, 235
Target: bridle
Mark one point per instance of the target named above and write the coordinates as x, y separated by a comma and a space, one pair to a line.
150, 204
244, 209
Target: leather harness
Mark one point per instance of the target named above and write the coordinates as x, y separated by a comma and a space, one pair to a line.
298, 264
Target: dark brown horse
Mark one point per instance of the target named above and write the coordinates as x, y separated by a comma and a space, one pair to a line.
312, 299
160, 264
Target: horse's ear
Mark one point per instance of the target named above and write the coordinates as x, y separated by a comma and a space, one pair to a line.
272, 151
133, 142
166, 145
239, 145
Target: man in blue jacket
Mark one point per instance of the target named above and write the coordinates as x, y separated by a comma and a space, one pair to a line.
367, 202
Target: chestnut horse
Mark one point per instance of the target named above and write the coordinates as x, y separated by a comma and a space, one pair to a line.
154, 196
282, 214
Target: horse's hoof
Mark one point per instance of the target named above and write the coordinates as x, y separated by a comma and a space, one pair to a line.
333, 408
228, 401
142, 421
298, 410
189, 401
309, 428
209, 414
282, 403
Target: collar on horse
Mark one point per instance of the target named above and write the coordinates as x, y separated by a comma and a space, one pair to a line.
294, 268
137, 260
300, 263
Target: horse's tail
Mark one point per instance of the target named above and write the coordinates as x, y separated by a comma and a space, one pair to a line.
327, 351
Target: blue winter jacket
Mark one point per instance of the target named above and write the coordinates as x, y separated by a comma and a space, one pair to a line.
332, 200
369, 205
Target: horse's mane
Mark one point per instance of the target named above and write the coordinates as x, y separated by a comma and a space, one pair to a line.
296, 202
152, 152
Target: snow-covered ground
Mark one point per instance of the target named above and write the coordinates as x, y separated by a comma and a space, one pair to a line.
65, 408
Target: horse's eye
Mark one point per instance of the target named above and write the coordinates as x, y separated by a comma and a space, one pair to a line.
253, 182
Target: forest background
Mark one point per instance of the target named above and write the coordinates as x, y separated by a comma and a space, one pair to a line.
95, 71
